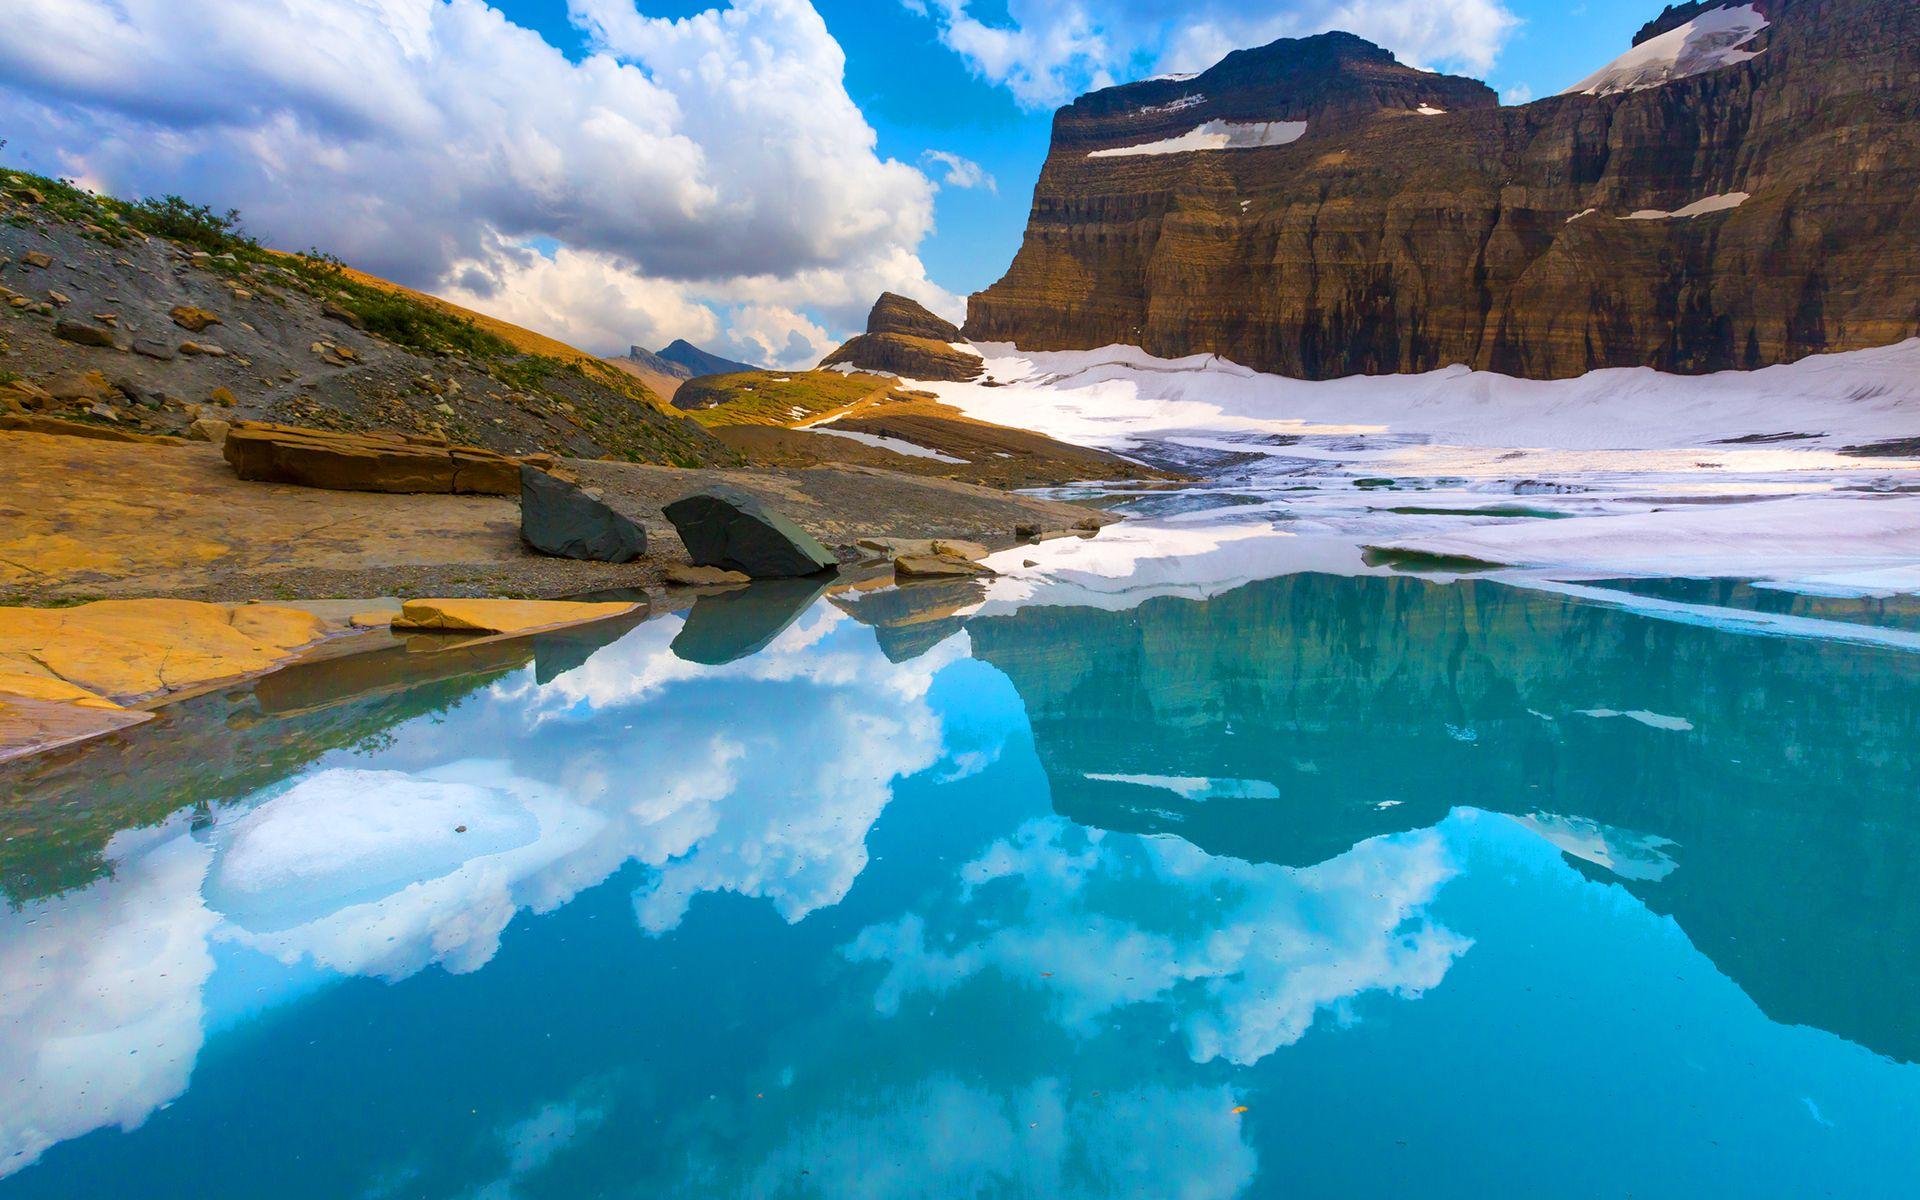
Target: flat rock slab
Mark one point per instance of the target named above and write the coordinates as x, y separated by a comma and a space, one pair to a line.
353, 462
499, 616
566, 521
727, 528
127, 650
937, 566
687, 576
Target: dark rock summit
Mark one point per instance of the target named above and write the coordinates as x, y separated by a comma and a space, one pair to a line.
566, 521
894, 313
723, 527
904, 338
1316, 209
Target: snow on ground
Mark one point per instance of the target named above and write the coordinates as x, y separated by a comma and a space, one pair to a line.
1216, 135
1620, 472
1709, 42
897, 445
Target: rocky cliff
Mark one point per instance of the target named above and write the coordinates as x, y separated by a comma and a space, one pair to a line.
1736, 191
905, 339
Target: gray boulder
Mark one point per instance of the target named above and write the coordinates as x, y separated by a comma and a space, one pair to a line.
726, 528
560, 519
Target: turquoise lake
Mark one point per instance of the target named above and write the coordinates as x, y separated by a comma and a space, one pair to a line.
1323, 886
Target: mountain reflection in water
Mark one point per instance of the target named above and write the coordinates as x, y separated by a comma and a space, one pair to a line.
1324, 885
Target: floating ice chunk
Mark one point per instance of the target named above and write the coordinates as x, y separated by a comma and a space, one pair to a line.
1216, 135
1651, 720
1707, 43
1699, 208
346, 837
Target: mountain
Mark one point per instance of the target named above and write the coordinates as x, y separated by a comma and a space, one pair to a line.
697, 362
904, 338
1734, 191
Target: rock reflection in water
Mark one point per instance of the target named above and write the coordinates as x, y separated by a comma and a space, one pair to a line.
1377, 705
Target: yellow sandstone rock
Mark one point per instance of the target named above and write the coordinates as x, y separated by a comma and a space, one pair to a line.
125, 650
499, 616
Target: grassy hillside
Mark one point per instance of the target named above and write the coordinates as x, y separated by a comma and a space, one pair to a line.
418, 363
784, 398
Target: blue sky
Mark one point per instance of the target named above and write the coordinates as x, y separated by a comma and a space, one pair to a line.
746, 175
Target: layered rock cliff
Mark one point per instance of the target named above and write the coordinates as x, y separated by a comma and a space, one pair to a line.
904, 338
1737, 191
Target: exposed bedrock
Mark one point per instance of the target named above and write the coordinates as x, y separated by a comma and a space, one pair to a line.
1382, 219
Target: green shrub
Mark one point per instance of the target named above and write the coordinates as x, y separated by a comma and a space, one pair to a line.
194, 224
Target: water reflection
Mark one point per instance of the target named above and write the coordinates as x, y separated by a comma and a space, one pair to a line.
1208, 898
1242, 956
1760, 790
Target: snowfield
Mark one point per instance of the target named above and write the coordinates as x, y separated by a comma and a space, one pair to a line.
1707, 43
1759, 474
1216, 135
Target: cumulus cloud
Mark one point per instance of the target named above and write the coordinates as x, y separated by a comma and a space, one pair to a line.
1276, 946
762, 778
101, 1016
1047, 52
961, 172
431, 141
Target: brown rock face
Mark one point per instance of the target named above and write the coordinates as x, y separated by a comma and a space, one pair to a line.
911, 357
904, 338
350, 462
1414, 223
897, 314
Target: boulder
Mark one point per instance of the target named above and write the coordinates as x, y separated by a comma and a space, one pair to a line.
37, 258
153, 348
891, 548
561, 519
209, 429
955, 548
83, 333
20, 394
722, 527
192, 319
81, 387
369, 462
938, 566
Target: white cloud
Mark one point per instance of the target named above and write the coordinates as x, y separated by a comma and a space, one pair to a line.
1249, 957
1050, 51
100, 996
961, 172
715, 162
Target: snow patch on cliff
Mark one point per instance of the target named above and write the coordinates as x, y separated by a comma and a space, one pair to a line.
1699, 208
1216, 135
1707, 43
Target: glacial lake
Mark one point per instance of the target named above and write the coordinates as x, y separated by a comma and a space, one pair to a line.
1322, 885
